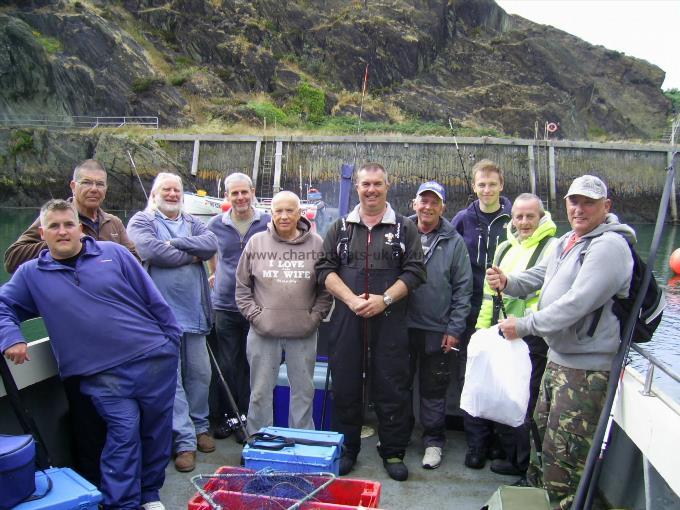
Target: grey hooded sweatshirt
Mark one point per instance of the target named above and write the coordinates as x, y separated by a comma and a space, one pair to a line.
276, 287
573, 286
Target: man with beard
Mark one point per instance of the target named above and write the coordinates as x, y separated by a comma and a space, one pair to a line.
173, 246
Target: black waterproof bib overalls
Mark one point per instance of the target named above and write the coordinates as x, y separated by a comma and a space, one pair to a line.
371, 260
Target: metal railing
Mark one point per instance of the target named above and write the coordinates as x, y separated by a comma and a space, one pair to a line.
652, 363
78, 122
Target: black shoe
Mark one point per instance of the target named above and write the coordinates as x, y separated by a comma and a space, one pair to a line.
240, 436
505, 467
346, 464
222, 430
396, 468
475, 459
494, 453
522, 482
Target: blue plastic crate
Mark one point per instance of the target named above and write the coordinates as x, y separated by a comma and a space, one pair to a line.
282, 398
70, 491
299, 458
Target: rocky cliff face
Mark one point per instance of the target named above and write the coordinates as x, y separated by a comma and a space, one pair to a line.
187, 61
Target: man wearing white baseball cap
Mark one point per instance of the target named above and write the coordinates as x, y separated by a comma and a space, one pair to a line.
578, 280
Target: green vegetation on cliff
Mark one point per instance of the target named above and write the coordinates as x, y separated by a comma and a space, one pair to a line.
229, 64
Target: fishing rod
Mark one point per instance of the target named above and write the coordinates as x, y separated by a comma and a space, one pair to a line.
361, 111
588, 484
460, 158
238, 425
134, 167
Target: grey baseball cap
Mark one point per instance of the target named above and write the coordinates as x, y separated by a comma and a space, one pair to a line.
588, 186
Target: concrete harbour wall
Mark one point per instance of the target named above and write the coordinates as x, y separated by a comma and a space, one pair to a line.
634, 173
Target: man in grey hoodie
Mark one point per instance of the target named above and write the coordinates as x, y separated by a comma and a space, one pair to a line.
588, 267
276, 290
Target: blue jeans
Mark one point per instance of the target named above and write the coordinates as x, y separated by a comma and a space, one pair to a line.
135, 400
190, 413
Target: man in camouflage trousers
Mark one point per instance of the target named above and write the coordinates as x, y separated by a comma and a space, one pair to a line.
578, 281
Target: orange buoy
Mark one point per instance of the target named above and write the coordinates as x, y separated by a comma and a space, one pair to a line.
674, 261
225, 206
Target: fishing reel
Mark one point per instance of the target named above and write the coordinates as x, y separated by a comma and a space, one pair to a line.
234, 424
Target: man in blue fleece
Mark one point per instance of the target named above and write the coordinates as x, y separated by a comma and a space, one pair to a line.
233, 229
173, 246
109, 325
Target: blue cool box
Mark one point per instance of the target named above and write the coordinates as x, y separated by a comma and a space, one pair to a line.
70, 491
282, 398
17, 465
299, 458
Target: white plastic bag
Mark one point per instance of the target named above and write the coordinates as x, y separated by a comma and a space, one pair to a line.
497, 378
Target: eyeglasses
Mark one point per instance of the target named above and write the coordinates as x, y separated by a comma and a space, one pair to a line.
92, 184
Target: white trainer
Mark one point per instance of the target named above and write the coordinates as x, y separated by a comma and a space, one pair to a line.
432, 458
153, 505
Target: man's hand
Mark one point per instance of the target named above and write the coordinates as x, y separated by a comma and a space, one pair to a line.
211, 281
496, 278
449, 343
370, 307
507, 326
18, 353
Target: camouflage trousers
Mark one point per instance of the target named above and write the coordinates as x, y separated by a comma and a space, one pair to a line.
567, 412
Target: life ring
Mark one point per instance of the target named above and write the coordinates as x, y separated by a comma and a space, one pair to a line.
552, 127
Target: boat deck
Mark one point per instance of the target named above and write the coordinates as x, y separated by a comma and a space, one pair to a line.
452, 485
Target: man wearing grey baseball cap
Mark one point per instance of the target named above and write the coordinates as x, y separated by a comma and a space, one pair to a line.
578, 280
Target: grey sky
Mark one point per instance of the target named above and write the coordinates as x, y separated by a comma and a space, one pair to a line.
646, 29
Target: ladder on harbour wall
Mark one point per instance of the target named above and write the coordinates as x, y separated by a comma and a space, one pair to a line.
269, 172
266, 166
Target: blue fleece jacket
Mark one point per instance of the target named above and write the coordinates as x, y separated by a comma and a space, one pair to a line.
481, 237
170, 251
230, 245
104, 312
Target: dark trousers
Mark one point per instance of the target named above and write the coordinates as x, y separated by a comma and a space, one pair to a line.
88, 431
229, 346
516, 441
388, 377
434, 373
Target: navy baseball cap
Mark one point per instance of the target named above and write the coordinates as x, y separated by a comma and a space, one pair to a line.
434, 187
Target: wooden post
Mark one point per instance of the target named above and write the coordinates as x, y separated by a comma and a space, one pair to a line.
674, 204
194, 157
256, 162
532, 168
277, 167
551, 176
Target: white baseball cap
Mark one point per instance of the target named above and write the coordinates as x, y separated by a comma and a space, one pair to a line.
588, 186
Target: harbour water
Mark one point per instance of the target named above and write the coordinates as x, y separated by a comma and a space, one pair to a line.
665, 344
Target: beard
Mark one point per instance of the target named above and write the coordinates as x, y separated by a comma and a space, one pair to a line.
168, 208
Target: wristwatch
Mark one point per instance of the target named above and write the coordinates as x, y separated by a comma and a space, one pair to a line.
387, 299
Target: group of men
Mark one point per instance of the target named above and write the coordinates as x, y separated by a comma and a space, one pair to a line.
130, 337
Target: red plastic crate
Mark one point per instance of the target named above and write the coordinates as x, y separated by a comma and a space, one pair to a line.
341, 494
